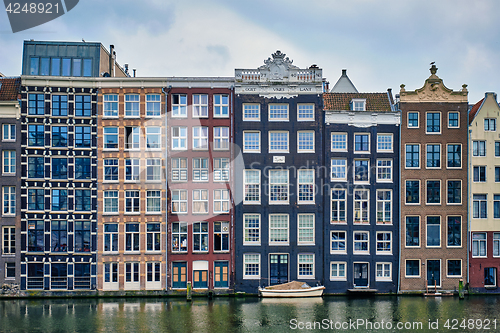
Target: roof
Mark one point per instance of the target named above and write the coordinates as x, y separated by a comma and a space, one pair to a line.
341, 101
344, 84
474, 110
9, 88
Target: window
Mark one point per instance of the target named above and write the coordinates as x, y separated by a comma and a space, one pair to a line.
339, 141
153, 169
221, 138
200, 106
496, 244
251, 266
412, 231
306, 266
278, 186
278, 112
453, 120
10, 270
131, 272
83, 105
384, 243
179, 138
66, 67
36, 167
479, 206
490, 277
59, 200
478, 244
59, 105
110, 201
251, 112
9, 132
479, 174
179, 237
358, 104
433, 231
412, 268
36, 104
200, 137
454, 192
221, 236
384, 272
361, 242
278, 229
59, 168
34, 66
200, 237
200, 169
361, 142
36, 135
179, 201
338, 271
338, 242
132, 199
433, 122
83, 201
9, 162
339, 169
454, 156
82, 236
111, 237
490, 124
251, 141
338, 206
44, 68
153, 237
179, 105
305, 112
305, 234
278, 142
35, 236
153, 137
132, 169
384, 143
251, 229
221, 106
361, 206
384, 170
497, 174
361, 170
433, 156
413, 119
384, 206
9, 200
497, 148
153, 105
153, 201
433, 192
110, 138
77, 67
132, 105
110, 105
132, 237
132, 138
179, 169
305, 142
59, 236
83, 137
306, 190
251, 180
221, 201
111, 169
8, 240
454, 231
496, 206
200, 201
412, 156
478, 148
36, 199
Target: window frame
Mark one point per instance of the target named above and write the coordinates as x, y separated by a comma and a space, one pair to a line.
306, 266
383, 278
440, 233
414, 229
448, 181
383, 242
257, 143
418, 266
109, 199
179, 236
380, 169
338, 241
9, 132
132, 108
113, 146
338, 167
299, 118
279, 194
279, 143
245, 189
362, 205
9, 159
132, 201
412, 152
480, 202
432, 154
182, 140
448, 217
362, 143
381, 135
339, 135
245, 116
198, 200
338, 277
307, 184
180, 202
9, 205
279, 112
8, 240
458, 119
256, 262
383, 201
222, 198
427, 197
220, 105
179, 110
273, 229
153, 202
199, 103
110, 107
305, 150
479, 240
355, 242
220, 141
408, 119
309, 227
448, 153
201, 169
339, 205
151, 103
433, 120
179, 169
247, 229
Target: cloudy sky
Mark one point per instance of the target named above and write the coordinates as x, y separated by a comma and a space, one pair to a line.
381, 43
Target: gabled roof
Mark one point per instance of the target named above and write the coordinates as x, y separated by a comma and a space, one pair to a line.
378, 102
344, 84
474, 110
9, 88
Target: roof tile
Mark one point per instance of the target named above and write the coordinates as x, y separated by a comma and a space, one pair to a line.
9, 88
340, 101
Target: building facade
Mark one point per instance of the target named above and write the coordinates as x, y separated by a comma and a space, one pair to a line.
434, 186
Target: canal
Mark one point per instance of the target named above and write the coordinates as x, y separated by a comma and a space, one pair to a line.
335, 314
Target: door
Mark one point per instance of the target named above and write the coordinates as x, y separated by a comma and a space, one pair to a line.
221, 276
433, 273
361, 274
278, 268
179, 270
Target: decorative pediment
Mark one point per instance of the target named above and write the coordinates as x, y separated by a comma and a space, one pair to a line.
278, 67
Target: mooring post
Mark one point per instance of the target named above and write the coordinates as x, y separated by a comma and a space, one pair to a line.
461, 291
189, 291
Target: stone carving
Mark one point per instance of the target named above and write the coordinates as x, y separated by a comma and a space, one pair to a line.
278, 66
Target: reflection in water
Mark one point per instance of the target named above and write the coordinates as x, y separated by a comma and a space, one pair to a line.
236, 314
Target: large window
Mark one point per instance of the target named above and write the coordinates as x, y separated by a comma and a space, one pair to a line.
384, 242
111, 169
221, 106
59, 200
111, 237
200, 105
479, 174
306, 189
479, 206
412, 156
413, 120
221, 236
110, 105
433, 191
132, 137
384, 271
153, 237
338, 271
153, 201
83, 136
83, 105
361, 206
454, 231
59, 105
433, 231
153, 169
132, 169
110, 138
9, 162
305, 112
179, 138
251, 112
496, 244
433, 122
132, 199
453, 120
454, 156
221, 138
338, 169
132, 237
361, 142
251, 266
110, 202
278, 142
490, 276
306, 266
305, 234
338, 206
490, 124
361, 242
59, 136
496, 206
83, 201
179, 105
82, 236
200, 169
278, 112
384, 170
179, 237
59, 236
251, 227
132, 105
153, 137
278, 187
339, 141
412, 268
454, 192
179, 169
9, 200
278, 229
9, 132
179, 201
153, 104
479, 244
433, 156
305, 142
36, 168
35, 236
36, 135
361, 170
384, 206
251, 180
200, 201
478, 148
221, 201
338, 242
8, 240
59, 168
412, 231
384, 143
221, 169
36, 104
251, 142
200, 137
200, 237
36, 199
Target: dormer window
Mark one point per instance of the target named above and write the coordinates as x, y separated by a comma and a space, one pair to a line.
358, 104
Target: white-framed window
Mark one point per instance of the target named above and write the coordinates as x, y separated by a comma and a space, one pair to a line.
179, 105
132, 105
179, 237
153, 137
361, 206
200, 201
433, 122
305, 142
111, 202
110, 168
200, 106
384, 143
251, 229
305, 266
8, 240
9, 162
132, 275
412, 156
251, 141
132, 201
361, 243
251, 190
305, 112
153, 105
496, 244
306, 186
251, 266
384, 271
490, 124
221, 201
278, 112
479, 245
338, 271
384, 206
221, 106
338, 169
179, 169
479, 148
221, 236
338, 205
412, 268
132, 242
153, 275
278, 187
362, 143
153, 169
339, 141
413, 121
221, 138
278, 229
221, 169
132, 168
153, 201
338, 242
132, 138
384, 170
110, 276
110, 138
384, 242
200, 237
433, 156
200, 169
200, 137
110, 105
433, 231
361, 171
358, 104
179, 138
251, 112
9, 132
110, 237
454, 268
278, 142
305, 225
433, 192
453, 120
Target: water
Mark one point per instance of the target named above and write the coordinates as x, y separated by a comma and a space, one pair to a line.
251, 315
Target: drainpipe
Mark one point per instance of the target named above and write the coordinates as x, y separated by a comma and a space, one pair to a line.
467, 199
400, 193
232, 253
165, 93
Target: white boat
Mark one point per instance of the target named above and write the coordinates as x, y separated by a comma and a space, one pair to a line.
292, 289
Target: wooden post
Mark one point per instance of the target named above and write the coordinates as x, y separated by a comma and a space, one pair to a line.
461, 292
189, 291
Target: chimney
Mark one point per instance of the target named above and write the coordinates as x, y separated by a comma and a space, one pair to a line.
126, 69
344, 72
111, 60
134, 71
